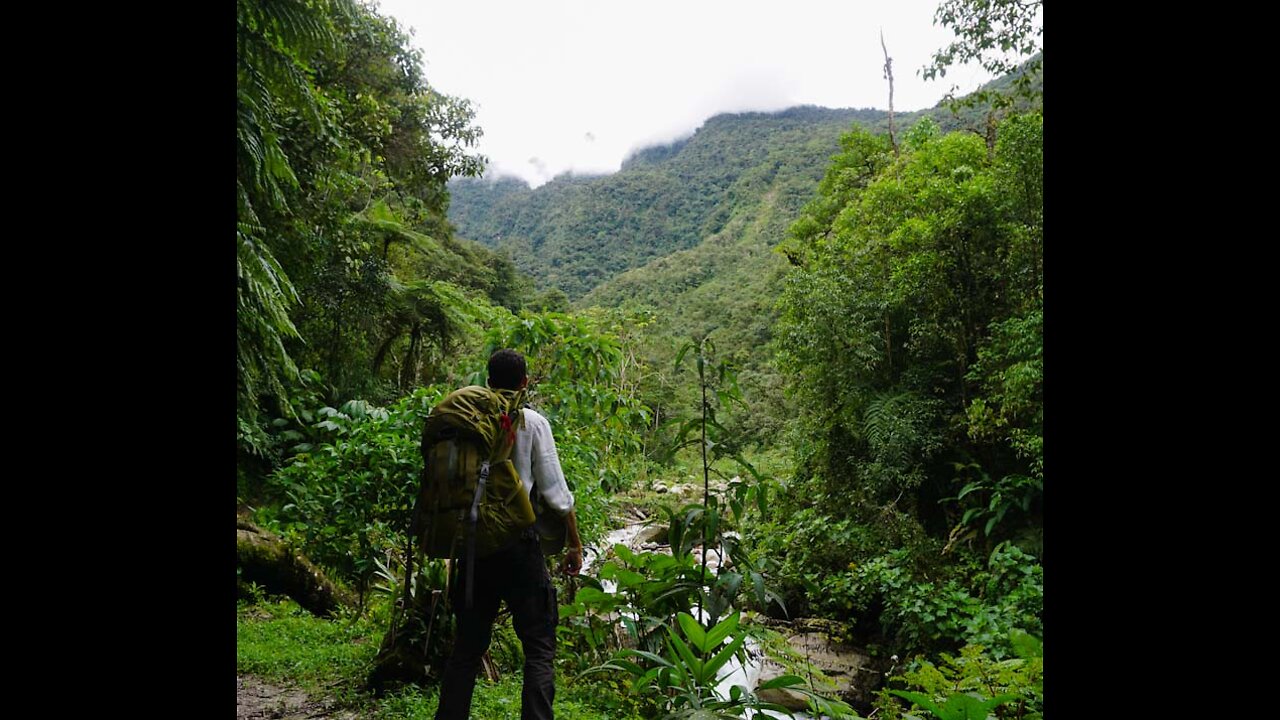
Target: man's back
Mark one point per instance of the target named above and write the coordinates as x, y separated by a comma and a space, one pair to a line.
518, 574
537, 462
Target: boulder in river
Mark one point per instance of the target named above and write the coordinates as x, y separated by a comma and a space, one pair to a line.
854, 676
655, 533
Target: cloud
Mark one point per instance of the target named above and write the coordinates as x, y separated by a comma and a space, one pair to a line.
543, 72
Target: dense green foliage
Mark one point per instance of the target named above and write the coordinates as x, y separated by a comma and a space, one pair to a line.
973, 681
350, 284
350, 482
576, 233
911, 328
570, 232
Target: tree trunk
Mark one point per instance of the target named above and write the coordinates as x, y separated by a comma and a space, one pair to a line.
888, 73
264, 559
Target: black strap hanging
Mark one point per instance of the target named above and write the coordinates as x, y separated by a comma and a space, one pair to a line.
471, 531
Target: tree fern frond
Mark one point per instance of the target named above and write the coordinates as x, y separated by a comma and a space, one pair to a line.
246, 218
381, 219
882, 417
276, 163
271, 288
264, 295
282, 75
300, 26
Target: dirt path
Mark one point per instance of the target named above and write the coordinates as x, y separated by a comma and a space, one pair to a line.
260, 700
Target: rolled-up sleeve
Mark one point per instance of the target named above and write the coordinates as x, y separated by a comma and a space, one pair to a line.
547, 473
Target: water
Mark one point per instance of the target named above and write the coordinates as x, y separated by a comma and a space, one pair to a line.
623, 535
734, 672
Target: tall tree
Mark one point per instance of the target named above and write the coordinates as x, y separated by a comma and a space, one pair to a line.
913, 304
276, 40
1002, 36
344, 152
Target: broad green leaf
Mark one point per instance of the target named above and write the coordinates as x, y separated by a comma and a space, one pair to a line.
652, 657
995, 702
694, 631
625, 578
762, 498
680, 589
920, 699
996, 497
642, 682
757, 580
714, 664
1025, 644
592, 596
685, 654
782, 681
677, 668
680, 355
627, 665
722, 630
730, 582
603, 667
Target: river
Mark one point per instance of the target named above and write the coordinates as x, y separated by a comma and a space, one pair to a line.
734, 672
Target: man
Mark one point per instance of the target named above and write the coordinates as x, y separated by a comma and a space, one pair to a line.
517, 574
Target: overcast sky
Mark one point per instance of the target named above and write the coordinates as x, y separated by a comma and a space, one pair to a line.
578, 85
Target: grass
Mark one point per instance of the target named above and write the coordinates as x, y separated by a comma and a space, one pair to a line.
502, 700
278, 641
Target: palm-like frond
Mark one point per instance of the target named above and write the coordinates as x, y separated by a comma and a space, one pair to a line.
276, 40
424, 310
380, 218
301, 25
262, 318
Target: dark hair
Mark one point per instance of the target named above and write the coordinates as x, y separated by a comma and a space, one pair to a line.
506, 370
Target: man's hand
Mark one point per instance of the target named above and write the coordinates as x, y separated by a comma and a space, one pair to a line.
572, 562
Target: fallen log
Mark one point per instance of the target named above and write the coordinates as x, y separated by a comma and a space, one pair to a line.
264, 559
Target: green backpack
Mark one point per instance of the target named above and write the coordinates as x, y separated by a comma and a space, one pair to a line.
471, 502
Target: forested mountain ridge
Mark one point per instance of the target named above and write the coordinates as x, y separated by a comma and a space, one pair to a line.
577, 232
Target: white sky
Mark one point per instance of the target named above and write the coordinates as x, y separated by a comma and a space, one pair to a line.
579, 84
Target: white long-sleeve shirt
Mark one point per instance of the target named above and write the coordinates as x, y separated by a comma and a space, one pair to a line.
535, 458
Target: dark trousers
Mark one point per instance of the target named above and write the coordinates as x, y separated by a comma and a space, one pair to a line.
519, 576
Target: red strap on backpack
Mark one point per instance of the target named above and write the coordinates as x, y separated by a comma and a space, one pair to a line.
508, 427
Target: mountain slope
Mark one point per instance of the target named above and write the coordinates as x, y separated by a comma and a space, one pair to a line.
577, 232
